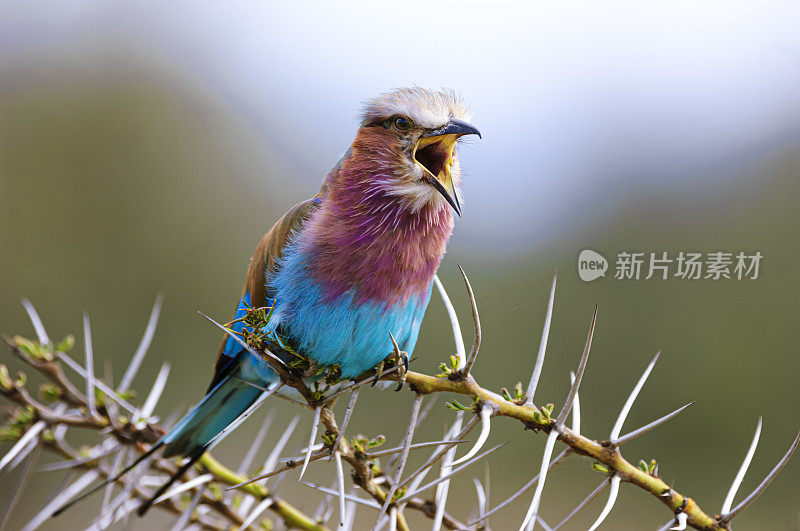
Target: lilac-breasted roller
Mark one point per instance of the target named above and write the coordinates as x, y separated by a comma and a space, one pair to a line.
342, 270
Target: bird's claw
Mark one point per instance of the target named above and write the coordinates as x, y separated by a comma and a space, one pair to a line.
402, 357
378, 372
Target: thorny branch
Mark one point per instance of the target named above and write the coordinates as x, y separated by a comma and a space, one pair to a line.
200, 499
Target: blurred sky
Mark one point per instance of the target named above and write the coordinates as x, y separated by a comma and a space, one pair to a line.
577, 102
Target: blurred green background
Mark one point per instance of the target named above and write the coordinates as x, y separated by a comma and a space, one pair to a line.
131, 167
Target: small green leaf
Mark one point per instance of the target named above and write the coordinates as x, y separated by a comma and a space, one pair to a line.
5, 378
10, 433
49, 392
66, 344
456, 406
377, 441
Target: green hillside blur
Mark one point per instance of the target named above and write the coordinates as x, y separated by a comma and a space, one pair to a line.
113, 191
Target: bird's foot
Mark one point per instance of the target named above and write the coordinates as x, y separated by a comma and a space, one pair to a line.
401, 358
378, 372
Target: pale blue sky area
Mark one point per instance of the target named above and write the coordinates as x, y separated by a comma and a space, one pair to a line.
582, 105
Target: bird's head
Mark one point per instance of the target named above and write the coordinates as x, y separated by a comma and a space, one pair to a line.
411, 135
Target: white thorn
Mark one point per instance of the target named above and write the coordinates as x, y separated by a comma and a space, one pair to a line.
260, 508
537, 370
644, 429
58, 501
573, 390
22, 443
576, 408
486, 415
317, 412
443, 488
270, 463
612, 498
737, 481
192, 483
110, 393
461, 353
247, 462
764, 483
87, 341
412, 424
244, 416
144, 346
410, 494
529, 522
682, 519
340, 478
41, 333
186, 515
155, 394
481, 495
241, 342
631, 399
356, 499
20, 486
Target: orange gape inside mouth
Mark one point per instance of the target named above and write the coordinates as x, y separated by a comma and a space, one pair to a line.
435, 154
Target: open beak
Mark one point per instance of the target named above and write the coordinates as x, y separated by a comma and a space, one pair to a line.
434, 152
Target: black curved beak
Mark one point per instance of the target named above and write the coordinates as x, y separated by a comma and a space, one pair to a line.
434, 151
454, 127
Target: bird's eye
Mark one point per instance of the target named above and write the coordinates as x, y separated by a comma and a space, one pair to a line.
401, 123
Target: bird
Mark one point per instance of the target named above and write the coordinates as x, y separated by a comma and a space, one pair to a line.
344, 269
